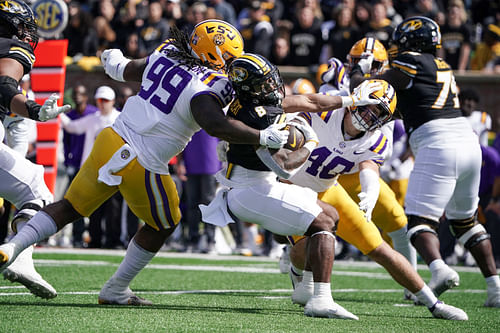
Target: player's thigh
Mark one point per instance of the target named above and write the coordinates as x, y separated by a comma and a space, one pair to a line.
85, 192
399, 187
432, 182
281, 208
352, 226
21, 180
464, 201
388, 214
151, 197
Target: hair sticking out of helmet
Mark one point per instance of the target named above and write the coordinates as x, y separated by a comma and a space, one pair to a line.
417, 34
256, 80
371, 46
371, 117
217, 42
17, 21
303, 86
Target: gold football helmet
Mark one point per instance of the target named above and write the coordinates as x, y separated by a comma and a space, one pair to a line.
303, 86
373, 46
217, 42
371, 117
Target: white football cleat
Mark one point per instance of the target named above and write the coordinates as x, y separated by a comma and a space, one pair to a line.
6, 255
301, 294
22, 270
109, 296
325, 307
285, 259
493, 300
442, 280
445, 311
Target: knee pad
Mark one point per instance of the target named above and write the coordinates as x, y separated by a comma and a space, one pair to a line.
468, 232
27, 211
418, 225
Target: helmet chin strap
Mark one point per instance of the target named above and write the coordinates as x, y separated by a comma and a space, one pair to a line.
357, 125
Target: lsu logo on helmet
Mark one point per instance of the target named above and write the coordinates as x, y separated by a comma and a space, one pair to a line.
372, 46
216, 41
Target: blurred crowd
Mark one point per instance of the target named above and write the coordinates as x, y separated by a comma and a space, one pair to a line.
288, 32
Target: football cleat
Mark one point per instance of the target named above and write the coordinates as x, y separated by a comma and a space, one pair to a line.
294, 277
6, 255
301, 294
443, 279
493, 300
325, 307
285, 260
23, 271
108, 296
445, 311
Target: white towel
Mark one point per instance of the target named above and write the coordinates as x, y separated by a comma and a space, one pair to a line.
216, 212
123, 156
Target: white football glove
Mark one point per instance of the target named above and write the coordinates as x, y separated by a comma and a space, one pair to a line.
274, 136
310, 137
50, 110
361, 95
114, 63
365, 63
367, 204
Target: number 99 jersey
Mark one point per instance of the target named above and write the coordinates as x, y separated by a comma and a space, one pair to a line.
432, 93
157, 122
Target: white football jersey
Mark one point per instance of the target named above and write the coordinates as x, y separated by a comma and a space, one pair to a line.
157, 122
481, 124
335, 155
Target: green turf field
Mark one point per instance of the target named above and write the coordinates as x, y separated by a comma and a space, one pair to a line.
226, 294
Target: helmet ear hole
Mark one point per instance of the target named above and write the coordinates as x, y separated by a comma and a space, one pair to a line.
211, 56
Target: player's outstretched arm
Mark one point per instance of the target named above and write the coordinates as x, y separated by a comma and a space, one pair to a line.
209, 115
120, 68
30, 109
322, 102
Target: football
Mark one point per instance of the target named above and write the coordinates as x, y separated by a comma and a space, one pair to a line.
295, 138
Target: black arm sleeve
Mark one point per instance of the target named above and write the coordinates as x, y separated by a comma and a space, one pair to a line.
8, 89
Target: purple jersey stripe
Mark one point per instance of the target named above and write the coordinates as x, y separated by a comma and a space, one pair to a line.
290, 239
306, 116
372, 148
164, 199
152, 201
214, 79
326, 115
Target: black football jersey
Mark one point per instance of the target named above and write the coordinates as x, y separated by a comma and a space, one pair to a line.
432, 93
258, 117
20, 51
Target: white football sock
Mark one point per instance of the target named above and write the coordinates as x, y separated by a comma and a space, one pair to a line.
322, 289
136, 258
296, 270
493, 282
426, 296
308, 281
437, 264
402, 244
40, 227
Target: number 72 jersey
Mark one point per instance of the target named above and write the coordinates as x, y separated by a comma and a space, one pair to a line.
432, 93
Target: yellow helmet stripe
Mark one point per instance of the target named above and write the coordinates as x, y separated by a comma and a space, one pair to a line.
262, 65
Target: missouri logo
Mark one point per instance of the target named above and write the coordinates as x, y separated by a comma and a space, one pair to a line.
11, 7
238, 74
411, 25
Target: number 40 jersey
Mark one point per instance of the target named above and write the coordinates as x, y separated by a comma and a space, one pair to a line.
157, 122
335, 155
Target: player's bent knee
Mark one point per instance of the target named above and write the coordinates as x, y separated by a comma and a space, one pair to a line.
418, 225
468, 232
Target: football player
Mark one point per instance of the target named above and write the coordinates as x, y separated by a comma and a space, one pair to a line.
351, 140
253, 193
183, 89
22, 181
444, 178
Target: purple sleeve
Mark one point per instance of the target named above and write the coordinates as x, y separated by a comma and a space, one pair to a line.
399, 130
489, 170
200, 155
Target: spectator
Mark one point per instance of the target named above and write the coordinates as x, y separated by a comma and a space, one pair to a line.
91, 125
280, 52
363, 16
154, 31
131, 49
172, 11
480, 121
103, 24
392, 14
456, 37
225, 11
380, 25
200, 160
257, 31
196, 13
80, 33
130, 16
488, 49
344, 35
427, 8
305, 38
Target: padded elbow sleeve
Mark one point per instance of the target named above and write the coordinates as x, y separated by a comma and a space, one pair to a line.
8, 89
